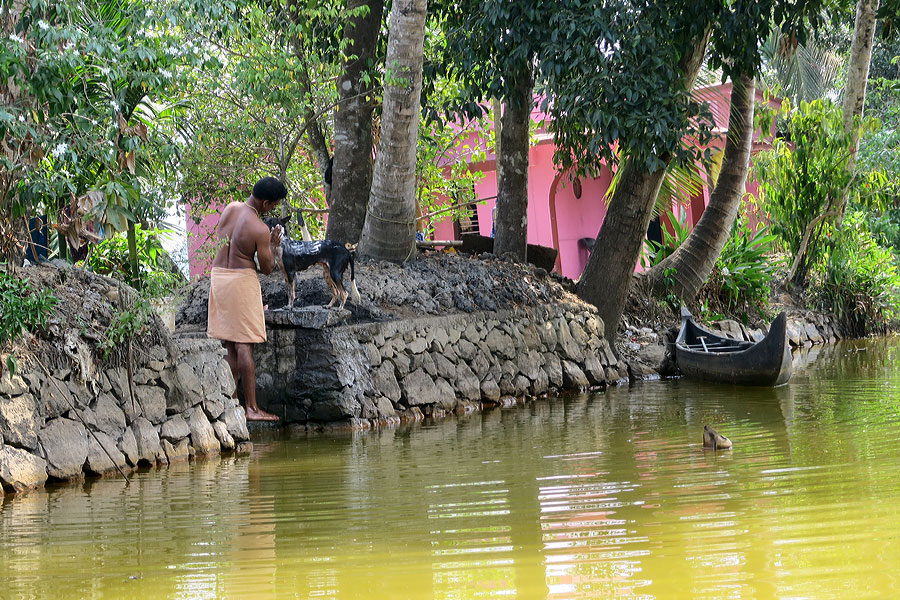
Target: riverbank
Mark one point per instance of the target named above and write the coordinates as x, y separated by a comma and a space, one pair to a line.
88, 400
444, 334
449, 333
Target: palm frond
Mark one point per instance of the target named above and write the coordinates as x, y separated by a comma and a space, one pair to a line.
805, 73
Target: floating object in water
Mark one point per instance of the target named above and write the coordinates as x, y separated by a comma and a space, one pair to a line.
713, 440
705, 355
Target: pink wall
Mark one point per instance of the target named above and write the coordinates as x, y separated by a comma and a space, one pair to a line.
200, 242
582, 217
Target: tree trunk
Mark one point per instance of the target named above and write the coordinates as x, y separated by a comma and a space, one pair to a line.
511, 223
858, 69
606, 280
351, 178
607, 277
694, 260
133, 261
389, 232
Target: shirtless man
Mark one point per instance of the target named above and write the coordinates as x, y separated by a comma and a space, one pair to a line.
235, 299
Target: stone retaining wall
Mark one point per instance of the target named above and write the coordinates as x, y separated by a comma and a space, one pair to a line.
384, 372
52, 425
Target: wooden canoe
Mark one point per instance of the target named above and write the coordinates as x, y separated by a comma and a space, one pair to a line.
706, 355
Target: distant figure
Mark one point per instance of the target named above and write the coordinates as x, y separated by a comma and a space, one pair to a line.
235, 298
38, 230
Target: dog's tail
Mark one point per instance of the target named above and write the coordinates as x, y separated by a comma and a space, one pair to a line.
354, 293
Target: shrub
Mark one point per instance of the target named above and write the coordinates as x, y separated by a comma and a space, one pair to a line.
671, 240
126, 325
110, 257
22, 308
858, 280
744, 270
804, 175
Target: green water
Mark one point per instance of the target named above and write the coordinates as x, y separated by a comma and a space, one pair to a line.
594, 496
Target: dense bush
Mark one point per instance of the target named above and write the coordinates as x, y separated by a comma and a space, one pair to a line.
675, 230
805, 175
22, 308
858, 279
742, 277
156, 278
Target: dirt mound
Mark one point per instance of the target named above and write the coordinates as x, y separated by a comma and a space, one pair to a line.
434, 284
78, 328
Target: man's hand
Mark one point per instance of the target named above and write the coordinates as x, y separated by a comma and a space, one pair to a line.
275, 236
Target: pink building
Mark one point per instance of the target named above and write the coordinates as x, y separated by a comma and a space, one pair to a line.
560, 213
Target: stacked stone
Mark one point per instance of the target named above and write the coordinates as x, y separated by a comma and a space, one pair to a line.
384, 372
813, 330
58, 426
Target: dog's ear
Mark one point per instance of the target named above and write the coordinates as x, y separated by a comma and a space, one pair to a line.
284, 220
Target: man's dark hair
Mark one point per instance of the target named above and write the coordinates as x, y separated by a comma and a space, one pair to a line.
270, 189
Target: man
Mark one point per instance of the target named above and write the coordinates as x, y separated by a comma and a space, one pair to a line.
235, 298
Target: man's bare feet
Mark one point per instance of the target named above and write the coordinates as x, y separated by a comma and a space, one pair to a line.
256, 414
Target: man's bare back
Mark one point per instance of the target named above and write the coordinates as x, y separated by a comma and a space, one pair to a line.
241, 235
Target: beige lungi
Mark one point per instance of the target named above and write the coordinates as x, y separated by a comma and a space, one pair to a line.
235, 306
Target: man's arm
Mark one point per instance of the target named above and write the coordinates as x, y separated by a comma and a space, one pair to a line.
266, 241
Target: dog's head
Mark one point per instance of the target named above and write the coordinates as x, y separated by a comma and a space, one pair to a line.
271, 222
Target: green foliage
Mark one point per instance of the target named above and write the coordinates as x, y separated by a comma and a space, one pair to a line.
743, 274
614, 79
858, 280
111, 257
250, 116
671, 238
85, 116
445, 183
805, 171
879, 159
805, 175
809, 72
22, 308
125, 326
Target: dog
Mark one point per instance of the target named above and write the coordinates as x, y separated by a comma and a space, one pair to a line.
293, 256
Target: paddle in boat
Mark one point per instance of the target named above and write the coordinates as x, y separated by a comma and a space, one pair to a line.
706, 355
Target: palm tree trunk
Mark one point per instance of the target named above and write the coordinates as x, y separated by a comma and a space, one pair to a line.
389, 232
511, 223
694, 260
608, 275
351, 178
858, 69
14, 233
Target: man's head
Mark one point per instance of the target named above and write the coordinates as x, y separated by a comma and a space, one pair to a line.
270, 192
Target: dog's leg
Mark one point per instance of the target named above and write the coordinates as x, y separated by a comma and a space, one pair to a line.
331, 286
292, 292
342, 294
355, 292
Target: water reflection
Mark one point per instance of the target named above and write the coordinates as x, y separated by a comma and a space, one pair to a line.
605, 495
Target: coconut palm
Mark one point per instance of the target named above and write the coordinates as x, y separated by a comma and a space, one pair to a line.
694, 260
389, 231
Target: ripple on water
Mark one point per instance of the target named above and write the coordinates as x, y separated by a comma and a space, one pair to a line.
606, 495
